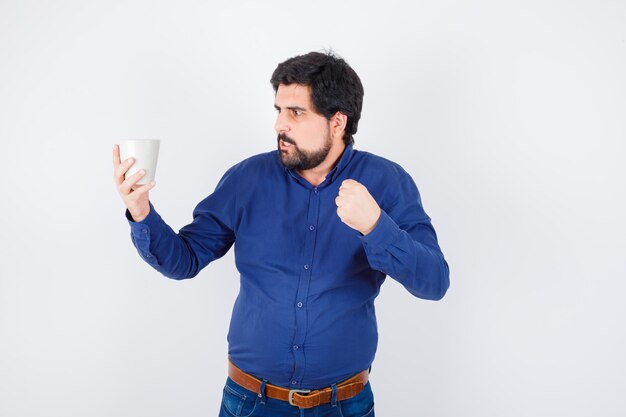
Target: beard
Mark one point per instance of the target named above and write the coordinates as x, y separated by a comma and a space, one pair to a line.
300, 160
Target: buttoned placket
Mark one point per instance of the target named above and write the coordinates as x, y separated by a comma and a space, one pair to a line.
306, 271
297, 347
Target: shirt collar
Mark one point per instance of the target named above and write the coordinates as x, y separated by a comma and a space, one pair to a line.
345, 158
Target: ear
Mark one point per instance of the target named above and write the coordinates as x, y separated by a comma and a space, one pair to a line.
338, 124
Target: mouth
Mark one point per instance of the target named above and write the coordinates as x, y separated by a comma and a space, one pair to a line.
284, 145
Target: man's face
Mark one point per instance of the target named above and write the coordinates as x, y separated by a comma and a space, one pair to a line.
303, 135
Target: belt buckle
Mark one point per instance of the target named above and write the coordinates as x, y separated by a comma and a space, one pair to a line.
294, 391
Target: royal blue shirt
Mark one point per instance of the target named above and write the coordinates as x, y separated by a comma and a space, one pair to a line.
304, 317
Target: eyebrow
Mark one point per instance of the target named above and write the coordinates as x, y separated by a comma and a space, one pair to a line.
291, 108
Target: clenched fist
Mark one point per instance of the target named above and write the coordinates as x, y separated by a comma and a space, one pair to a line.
356, 207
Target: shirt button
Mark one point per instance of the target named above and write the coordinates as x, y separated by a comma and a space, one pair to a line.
299, 305
294, 382
295, 347
145, 230
315, 190
307, 266
311, 227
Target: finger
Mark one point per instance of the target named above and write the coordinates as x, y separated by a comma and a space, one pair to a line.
116, 156
340, 214
126, 185
122, 168
142, 189
338, 201
349, 183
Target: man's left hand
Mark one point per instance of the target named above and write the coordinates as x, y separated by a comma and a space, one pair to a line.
356, 207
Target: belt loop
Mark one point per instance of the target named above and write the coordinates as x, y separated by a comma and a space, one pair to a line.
333, 395
262, 391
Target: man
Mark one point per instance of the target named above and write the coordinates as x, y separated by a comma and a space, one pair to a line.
317, 225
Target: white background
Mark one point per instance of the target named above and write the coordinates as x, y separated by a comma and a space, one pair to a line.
509, 115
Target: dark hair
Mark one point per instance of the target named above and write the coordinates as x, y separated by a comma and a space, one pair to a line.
334, 86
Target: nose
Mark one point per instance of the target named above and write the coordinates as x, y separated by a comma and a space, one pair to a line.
281, 125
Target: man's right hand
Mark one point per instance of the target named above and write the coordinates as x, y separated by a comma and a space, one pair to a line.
134, 196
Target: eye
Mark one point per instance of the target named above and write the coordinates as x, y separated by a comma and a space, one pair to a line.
297, 112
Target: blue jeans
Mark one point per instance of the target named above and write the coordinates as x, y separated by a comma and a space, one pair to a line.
240, 402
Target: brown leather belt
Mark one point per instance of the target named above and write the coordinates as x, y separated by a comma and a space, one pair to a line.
300, 398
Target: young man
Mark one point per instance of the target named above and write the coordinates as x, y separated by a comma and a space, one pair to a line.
317, 225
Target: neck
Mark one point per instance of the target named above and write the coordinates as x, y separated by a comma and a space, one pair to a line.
316, 176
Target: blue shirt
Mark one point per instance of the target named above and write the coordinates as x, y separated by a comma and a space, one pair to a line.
304, 317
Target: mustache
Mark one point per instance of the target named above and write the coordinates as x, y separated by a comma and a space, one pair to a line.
285, 139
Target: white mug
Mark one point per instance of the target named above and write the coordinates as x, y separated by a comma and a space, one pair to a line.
146, 154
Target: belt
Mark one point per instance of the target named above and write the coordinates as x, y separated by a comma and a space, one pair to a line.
299, 397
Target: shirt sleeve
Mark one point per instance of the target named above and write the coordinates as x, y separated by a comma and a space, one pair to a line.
403, 244
208, 237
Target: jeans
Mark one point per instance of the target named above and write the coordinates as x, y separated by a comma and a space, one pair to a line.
240, 402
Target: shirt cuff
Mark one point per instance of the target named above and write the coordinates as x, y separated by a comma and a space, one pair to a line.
383, 234
141, 230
